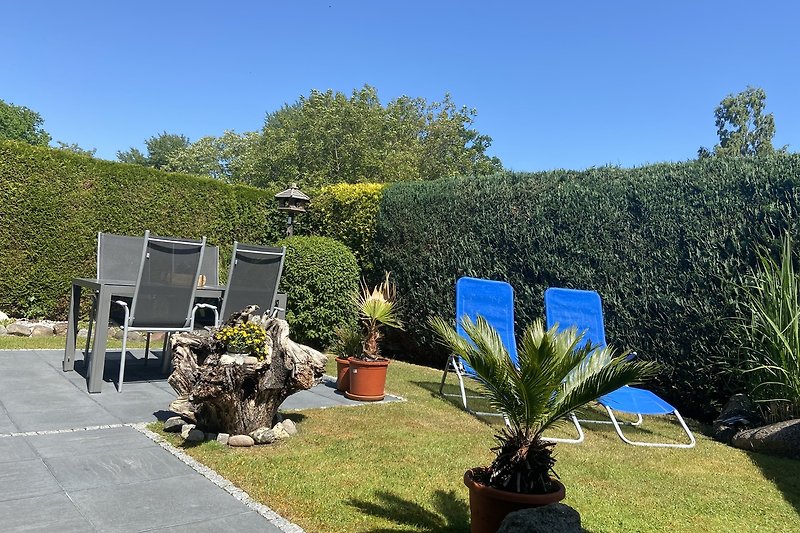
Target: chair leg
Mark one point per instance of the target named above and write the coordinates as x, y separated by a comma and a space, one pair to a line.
166, 355
653, 444
147, 348
92, 316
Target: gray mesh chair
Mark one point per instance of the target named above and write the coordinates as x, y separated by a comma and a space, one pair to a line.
163, 299
253, 278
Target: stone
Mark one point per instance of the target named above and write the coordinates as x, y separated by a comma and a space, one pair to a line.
132, 335
782, 438
553, 518
739, 413
60, 328
263, 436
185, 429
83, 332
40, 330
156, 337
241, 440
289, 426
174, 424
18, 330
279, 431
222, 438
211, 436
3, 316
195, 435
3, 331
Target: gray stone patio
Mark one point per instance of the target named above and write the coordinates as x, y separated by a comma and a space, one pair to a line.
60, 471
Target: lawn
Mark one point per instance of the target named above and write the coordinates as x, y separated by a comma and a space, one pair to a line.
398, 467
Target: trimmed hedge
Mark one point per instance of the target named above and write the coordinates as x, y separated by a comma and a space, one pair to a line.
319, 277
661, 244
53, 203
347, 212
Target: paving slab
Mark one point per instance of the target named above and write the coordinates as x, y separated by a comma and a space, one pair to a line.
78, 443
250, 521
26, 479
14, 450
45, 514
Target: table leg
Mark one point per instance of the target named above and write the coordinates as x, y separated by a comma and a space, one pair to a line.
72, 328
98, 359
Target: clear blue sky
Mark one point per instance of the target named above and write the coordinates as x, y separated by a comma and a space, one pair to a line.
556, 84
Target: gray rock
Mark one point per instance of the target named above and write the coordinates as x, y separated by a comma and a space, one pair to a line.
222, 438
240, 440
83, 332
60, 328
156, 337
3, 316
40, 330
18, 330
132, 335
553, 518
211, 436
782, 438
3, 331
263, 436
185, 429
279, 431
739, 413
174, 424
195, 435
289, 426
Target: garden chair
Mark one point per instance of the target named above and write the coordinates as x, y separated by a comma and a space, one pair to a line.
163, 298
494, 301
253, 279
583, 310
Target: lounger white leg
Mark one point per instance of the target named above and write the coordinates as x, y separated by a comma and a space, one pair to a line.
653, 444
166, 356
124, 345
147, 348
578, 428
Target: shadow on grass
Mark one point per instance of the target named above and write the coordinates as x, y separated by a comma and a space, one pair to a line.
451, 514
783, 472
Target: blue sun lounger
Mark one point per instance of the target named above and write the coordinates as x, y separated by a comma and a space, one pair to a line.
494, 301
584, 310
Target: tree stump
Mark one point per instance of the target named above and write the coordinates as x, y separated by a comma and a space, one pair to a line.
236, 396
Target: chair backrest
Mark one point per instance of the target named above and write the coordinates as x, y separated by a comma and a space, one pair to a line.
210, 266
166, 284
494, 301
253, 278
576, 308
118, 256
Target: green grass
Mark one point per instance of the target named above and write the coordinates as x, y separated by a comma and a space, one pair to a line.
399, 467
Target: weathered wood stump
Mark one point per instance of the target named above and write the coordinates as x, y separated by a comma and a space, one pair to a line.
234, 395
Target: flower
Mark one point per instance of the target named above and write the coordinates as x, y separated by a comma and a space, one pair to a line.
249, 338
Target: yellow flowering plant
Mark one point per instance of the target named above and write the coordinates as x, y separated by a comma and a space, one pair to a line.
248, 338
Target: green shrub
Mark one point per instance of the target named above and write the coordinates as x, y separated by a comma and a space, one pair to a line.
347, 212
53, 203
771, 333
659, 243
319, 278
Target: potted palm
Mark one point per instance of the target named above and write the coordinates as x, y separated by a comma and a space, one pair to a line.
376, 308
554, 378
347, 344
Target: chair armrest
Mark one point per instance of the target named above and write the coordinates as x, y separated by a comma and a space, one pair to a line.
205, 306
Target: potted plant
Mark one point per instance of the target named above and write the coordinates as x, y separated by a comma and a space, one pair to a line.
554, 378
376, 308
346, 345
243, 341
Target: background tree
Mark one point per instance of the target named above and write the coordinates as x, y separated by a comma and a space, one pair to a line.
230, 157
742, 126
75, 149
329, 138
18, 123
159, 149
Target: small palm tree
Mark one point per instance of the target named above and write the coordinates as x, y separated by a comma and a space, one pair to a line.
554, 378
376, 308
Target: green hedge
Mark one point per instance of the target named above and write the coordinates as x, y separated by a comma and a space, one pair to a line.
659, 243
53, 203
347, 212
319, 277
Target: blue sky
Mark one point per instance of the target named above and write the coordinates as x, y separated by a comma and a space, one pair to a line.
556, 84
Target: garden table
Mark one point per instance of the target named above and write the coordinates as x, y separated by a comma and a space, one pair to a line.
105, 289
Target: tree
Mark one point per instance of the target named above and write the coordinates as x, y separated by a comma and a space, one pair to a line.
18, 123
329, 138
230, 157
742, 126
75, 149
159, 149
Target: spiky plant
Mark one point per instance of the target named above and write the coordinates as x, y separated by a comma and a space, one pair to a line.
376, 307
554, 378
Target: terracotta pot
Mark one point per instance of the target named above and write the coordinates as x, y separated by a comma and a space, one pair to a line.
488, 506
342, 374
367, 380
